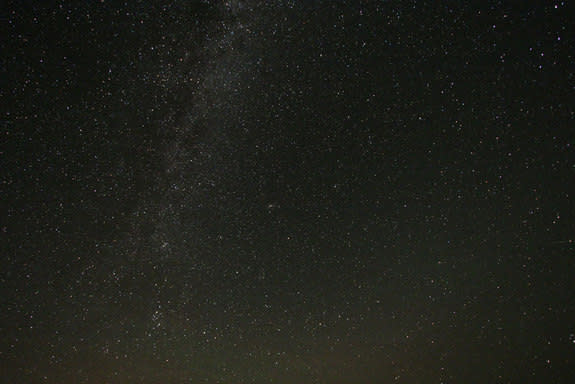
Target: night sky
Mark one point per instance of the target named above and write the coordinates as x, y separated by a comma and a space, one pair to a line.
290, 192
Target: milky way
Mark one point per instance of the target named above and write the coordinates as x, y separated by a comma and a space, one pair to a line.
287, 192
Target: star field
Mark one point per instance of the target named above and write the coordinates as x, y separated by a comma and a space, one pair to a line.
287, 192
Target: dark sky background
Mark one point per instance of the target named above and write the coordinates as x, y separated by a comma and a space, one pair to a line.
287, 192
